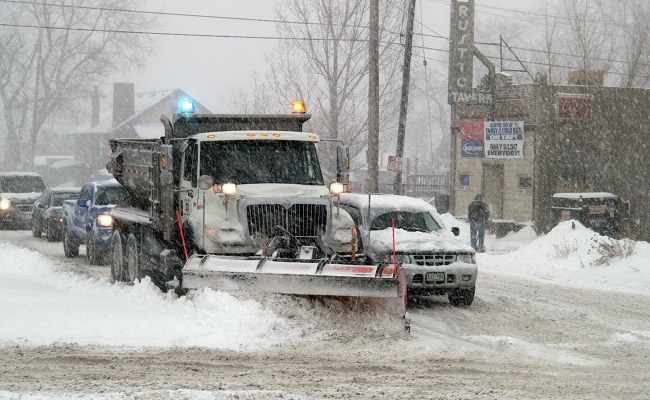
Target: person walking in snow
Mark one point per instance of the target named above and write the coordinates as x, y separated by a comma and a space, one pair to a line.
478, 214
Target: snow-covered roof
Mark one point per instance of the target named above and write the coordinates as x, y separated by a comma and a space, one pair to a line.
392, 201
67, 163
19, 174
164, 100
65, 189
150, 130
586, 195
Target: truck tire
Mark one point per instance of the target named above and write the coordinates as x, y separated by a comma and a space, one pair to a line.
70, 246
461, 297
36, 232
132, 258
117, 258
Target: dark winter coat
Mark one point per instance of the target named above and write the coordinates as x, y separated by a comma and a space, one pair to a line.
478, 210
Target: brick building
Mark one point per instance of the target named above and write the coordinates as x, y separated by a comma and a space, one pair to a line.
576, 138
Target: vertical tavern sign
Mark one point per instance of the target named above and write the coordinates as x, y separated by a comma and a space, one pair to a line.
461, 46
461, 56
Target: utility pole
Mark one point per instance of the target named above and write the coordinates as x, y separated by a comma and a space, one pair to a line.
406, 74
373, 101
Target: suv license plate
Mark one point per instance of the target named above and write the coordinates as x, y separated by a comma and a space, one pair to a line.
435, 276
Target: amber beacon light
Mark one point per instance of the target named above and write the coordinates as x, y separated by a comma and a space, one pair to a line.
298, 107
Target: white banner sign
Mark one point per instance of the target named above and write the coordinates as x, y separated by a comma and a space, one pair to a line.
504, 139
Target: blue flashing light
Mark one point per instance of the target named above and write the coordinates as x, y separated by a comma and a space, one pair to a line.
187, 106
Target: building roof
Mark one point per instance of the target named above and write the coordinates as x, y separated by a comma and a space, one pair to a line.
149, 106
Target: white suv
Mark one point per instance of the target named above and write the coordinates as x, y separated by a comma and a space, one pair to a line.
18, 192
435, 262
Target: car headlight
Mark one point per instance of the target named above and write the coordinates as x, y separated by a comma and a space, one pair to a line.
5, 204
466, 258
105, 220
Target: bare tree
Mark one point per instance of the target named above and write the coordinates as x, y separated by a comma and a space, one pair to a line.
53, 53
634, 17
591, 34
325, 62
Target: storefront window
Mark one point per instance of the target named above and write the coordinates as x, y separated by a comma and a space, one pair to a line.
525, 183
463, 180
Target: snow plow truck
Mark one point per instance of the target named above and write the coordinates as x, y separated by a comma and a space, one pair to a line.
239, 197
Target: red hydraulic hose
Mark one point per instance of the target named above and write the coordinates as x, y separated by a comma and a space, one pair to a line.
394, 255
180, 228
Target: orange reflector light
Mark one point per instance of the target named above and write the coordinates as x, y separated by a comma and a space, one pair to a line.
313, 137
251, 134
211, 136
298, 107
276, 135
264, 134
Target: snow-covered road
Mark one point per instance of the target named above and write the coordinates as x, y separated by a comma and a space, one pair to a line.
552, 326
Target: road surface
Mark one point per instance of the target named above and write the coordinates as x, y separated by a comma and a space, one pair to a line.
520, 339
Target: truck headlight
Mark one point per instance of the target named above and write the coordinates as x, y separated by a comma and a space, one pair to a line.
229, 189
336, 188
5, 204
105, 220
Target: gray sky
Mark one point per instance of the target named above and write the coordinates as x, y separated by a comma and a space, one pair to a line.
215, 69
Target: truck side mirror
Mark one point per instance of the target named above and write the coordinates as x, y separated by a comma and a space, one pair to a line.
82, 202
455, 230
343, 164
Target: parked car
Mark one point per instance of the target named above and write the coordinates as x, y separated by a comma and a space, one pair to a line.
18, 192
48, 212
435, 262
87, 220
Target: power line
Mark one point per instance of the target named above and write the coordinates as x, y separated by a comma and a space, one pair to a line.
257, 37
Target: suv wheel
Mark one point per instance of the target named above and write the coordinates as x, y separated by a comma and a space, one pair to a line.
36, 232
461, 297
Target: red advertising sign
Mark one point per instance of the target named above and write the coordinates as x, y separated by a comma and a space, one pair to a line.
471, 130
573, 106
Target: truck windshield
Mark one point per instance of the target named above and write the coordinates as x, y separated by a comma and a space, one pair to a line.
22, 184
408, 220
261, 161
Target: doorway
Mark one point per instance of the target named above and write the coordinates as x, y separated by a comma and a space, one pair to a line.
493, 189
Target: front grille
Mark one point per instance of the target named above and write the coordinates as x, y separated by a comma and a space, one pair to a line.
297, 219
433, 259
26, 208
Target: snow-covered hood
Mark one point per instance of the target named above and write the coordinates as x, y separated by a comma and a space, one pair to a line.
281, 190
21, 198
406, 242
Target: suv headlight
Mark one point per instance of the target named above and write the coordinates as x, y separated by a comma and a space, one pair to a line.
466, 258
5, 204
105, 220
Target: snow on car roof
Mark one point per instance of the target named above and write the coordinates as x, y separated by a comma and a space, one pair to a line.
586, 195
392, 201
19, 174
65, 189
